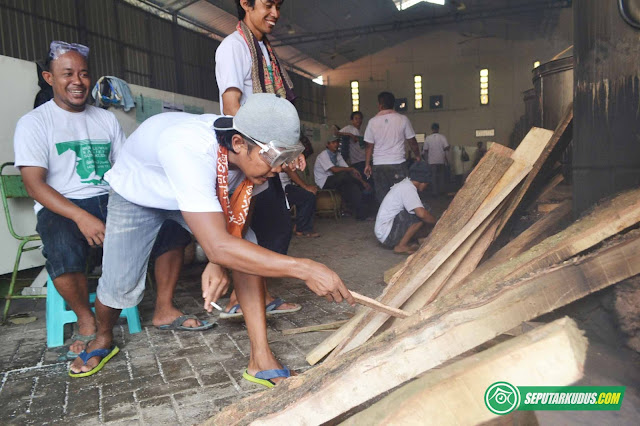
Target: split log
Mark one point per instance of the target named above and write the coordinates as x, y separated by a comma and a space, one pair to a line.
479, 183
422, 342
554, 353
546, 192
547, 207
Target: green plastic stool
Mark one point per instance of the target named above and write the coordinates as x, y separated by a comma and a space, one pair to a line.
58, 315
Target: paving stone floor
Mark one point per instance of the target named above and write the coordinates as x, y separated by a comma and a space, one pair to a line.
185, 378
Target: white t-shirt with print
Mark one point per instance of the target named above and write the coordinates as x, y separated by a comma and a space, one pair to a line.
76, 148
233, 69
435, 144
356, 153
402, 196
387, 132
233, 66
170, 163
321, 168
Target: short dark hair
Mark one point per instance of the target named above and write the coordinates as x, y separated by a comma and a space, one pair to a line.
241, 12
225, 139
435, 127
354, 113
387, 100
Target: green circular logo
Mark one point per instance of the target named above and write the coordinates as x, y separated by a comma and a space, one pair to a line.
502, 398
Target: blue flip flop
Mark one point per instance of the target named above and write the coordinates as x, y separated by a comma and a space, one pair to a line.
264, 377
176, 324
106, 355
71, 355
232, 313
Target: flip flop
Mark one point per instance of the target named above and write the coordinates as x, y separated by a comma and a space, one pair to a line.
232, 313
272, 308
176, 324
264, 377
71, 355
106, 355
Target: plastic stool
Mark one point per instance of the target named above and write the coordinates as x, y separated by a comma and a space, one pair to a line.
58, 315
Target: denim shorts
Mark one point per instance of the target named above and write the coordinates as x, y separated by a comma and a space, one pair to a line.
67, 250
63, 245
401, 223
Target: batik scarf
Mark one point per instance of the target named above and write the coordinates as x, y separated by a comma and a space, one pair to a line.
236, 209
262, 82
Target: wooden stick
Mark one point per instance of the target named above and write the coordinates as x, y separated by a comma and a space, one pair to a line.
377, 306
318, 327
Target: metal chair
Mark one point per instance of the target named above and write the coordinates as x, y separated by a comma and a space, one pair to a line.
11, 186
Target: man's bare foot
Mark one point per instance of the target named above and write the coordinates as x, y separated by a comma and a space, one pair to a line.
87, 328
78, 366
164, 316
404, 249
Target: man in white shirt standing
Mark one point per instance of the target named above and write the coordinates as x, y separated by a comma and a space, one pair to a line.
246, 64
357, 154
434, 150
385, 137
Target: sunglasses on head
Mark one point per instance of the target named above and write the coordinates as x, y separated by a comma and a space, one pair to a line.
277, 156
58, 48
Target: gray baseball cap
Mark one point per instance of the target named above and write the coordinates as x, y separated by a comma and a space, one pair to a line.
266, 118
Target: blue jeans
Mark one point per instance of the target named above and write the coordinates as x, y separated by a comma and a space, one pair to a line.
63, 245
305, 203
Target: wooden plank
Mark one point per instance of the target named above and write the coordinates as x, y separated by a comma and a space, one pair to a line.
377, 306
537, 232
553, 353
547, 207
549, 187
602, 222
478, 185
311, 328
409, 283
560, 139
328, 344
422, 342
524, 157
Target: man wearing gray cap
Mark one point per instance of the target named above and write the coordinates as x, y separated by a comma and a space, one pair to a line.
402, 214
199, 170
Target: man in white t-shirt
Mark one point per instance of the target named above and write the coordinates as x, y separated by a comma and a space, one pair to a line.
332, 172
435, 152
402, 214
63, 148
199, 170
246, 64
385, 137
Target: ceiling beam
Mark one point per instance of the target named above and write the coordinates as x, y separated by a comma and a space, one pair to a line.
452, 18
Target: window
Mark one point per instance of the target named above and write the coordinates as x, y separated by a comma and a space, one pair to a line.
536, 64
417, 92
355, 95
484, 86
318, 80
406, 4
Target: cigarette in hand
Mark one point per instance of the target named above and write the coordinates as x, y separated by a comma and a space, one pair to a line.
215, 305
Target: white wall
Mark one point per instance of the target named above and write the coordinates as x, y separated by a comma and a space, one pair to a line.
450, 64
19, 85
